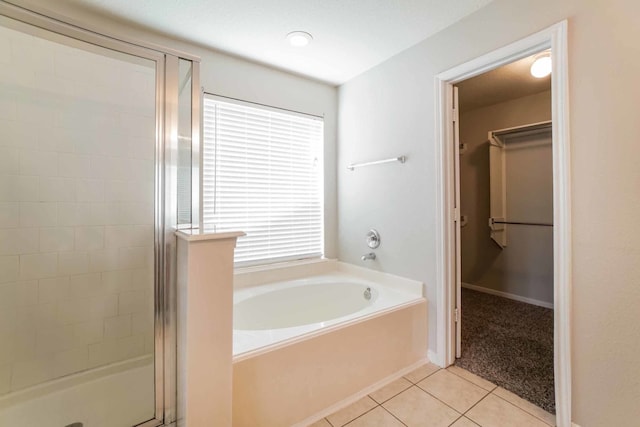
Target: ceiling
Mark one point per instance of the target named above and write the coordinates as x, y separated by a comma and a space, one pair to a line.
510, 81
349, 36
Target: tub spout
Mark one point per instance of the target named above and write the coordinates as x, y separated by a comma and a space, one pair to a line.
370, 256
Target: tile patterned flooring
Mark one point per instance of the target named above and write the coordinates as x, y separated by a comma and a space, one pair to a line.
434, 397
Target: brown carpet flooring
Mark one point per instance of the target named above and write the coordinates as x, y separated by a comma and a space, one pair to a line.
509, 343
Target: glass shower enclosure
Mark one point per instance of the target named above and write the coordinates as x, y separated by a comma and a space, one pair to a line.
88, 205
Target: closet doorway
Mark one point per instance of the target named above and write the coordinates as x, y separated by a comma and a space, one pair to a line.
451, 218
504, 169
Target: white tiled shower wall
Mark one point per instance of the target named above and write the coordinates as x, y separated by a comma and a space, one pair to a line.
77, 138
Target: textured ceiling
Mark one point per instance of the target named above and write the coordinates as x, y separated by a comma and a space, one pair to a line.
510, 81
349, 36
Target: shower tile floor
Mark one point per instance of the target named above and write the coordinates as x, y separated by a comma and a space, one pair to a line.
434, 397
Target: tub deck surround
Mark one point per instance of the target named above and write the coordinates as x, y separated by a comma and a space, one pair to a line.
295, 369
197, 235
292, 383
204, 311
254, 276
277, 313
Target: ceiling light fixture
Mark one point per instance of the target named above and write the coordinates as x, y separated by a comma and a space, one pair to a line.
299, 38
541, 66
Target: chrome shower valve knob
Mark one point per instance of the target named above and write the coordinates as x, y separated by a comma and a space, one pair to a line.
373, 238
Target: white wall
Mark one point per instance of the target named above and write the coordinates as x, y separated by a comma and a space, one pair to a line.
389, 111
225, 75
525, 266
77, 146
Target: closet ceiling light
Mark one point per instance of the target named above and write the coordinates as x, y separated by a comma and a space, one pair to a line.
541, 67
299, 38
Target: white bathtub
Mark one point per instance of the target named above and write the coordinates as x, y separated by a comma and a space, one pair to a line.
307, 337
278, 312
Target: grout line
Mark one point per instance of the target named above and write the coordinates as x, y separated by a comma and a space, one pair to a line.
523, 410
496, 386
466, 418
369, 396
534, 415
439, 400
388, 399
393, 415
460, 376
473, 384
461, 415
422, 379
476, 404
456, 420
364, 413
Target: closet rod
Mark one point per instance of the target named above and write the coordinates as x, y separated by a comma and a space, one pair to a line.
523, 223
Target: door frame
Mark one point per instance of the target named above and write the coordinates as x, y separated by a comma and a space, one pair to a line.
554, 38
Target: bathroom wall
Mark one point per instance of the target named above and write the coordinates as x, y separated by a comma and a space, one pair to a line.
525, 267
389, 111
227, 75
77, 138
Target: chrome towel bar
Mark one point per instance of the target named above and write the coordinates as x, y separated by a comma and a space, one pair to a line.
400, 159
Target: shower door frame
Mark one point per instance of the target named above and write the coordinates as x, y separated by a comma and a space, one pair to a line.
165, 215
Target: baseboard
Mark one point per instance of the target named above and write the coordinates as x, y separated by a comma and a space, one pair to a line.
508, 295
359, 395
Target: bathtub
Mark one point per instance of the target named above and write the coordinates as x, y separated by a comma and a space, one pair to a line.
317, 336
279, 312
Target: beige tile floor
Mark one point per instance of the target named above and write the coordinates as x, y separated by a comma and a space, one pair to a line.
434, 397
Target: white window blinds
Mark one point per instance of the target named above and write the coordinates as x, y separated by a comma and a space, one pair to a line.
262, 174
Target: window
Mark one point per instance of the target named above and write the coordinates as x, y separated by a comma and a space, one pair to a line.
263, 174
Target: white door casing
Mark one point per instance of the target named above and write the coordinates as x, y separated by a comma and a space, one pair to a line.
456, 221
555, 39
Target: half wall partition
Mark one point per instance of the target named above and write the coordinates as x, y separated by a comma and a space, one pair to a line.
89, 169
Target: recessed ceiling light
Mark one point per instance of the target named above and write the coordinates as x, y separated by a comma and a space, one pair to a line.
541, 67
299, 38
